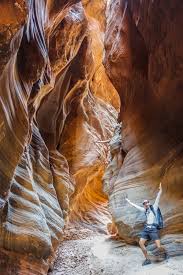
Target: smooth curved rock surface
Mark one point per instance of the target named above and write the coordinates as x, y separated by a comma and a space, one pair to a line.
57, 113
84, 113
143, 59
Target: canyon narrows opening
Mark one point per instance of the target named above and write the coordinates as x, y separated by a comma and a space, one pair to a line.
91, 103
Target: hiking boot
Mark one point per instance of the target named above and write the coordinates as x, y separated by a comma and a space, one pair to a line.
146, 262
166, 256
162, 253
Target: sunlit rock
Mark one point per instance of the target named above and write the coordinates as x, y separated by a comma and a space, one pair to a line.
57, 113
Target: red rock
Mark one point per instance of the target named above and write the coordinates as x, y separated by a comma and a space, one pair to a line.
143, 60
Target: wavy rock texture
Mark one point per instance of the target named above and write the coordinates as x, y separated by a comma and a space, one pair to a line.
143, 59
84, 115
57, 109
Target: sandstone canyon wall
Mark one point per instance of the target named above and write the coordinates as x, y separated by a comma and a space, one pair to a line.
57, 109
144, 61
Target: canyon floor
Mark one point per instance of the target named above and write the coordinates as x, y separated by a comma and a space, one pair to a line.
84, 252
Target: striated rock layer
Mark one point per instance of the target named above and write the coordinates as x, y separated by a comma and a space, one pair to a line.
144, 60
58, 110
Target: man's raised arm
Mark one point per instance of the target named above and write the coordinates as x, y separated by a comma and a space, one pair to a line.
135, 205
156, 203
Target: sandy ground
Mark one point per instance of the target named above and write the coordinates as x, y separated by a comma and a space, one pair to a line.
90, 253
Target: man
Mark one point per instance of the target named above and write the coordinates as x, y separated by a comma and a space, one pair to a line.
150, 231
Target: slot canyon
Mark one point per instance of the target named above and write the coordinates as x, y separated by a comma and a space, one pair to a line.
91, 113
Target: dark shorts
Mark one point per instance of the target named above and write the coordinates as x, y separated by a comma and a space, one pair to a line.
150, 234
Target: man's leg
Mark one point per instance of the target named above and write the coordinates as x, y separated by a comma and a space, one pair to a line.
142, 246
161, 249
158, 243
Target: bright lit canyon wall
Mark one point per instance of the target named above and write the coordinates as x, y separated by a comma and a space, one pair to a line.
66, 67
58, 111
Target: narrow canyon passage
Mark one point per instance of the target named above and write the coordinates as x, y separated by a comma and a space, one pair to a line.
91, 118
85, 252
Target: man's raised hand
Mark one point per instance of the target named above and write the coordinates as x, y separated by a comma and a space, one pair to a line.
160, 187
127, 200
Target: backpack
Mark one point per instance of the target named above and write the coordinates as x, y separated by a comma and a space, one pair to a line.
159, 217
